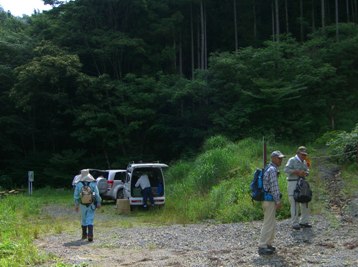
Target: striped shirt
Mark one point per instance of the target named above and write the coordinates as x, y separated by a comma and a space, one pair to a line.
270, 182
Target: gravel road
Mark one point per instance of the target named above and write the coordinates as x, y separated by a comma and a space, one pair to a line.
328, 243
332, 242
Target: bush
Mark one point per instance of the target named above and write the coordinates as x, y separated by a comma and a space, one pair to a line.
214, 142
345, 146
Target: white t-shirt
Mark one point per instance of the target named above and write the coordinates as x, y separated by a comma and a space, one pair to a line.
143, 182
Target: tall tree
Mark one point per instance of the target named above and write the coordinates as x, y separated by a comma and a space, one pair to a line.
254, 19
286, 13
337, 20
301, 20
323, 13
277, 21
235, 26
192, 41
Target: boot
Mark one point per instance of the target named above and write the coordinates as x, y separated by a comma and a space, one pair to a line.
84, 232
90, 233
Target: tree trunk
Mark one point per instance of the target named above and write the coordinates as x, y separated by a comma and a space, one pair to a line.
235, 27
353, 16
255, 23
286, 11
313, 17
273, 21
175, 54
180, 55
192, 41
337, 21
277, 21
323, 14
301, 20
198, 44
347, 9
202, 34
205, 42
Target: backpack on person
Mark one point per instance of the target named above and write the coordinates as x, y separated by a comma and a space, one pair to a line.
86, 194
257, 190
302, 192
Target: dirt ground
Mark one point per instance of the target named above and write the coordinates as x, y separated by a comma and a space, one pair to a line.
333, 241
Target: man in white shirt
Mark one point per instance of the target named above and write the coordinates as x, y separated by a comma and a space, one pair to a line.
297, 167
144, 184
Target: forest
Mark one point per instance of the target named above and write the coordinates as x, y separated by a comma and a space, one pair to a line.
100, 83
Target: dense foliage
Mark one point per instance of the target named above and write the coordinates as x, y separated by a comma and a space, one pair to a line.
343, 145
101, 83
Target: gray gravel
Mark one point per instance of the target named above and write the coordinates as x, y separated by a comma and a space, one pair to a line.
332, 242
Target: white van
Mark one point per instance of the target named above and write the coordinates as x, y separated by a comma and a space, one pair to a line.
156, 178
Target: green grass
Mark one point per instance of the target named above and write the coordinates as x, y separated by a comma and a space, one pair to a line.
20, 223
212, 186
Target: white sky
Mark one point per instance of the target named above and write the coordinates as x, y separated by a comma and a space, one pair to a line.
20, 7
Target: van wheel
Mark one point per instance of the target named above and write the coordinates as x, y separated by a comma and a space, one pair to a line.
120, 194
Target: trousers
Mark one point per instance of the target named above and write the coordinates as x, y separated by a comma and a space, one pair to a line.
268, 229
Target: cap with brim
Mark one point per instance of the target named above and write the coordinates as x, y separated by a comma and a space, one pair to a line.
302, 150
277, 154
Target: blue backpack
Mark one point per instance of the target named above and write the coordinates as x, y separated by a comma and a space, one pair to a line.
257, 191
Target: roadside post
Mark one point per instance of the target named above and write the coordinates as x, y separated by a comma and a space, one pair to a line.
264, 152
30, 175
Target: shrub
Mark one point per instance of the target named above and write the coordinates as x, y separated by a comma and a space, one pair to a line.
345, 146
214, 142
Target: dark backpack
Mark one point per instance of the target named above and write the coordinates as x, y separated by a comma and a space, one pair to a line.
303, 192
257, 191
86, 194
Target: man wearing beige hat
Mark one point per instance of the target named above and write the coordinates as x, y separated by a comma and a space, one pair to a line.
297, 167
92, 202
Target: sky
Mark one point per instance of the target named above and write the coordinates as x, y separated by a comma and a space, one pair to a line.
20, 7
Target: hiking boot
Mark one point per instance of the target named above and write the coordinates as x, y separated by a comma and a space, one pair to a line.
305, 225
296, 227
271, 247
265, 251
90, 233
84, 232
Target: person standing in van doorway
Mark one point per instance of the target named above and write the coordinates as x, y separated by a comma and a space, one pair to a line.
271, 203
87, 210
144, 184
297, 167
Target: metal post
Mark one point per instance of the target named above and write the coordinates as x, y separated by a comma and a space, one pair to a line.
264, 151
30, 175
